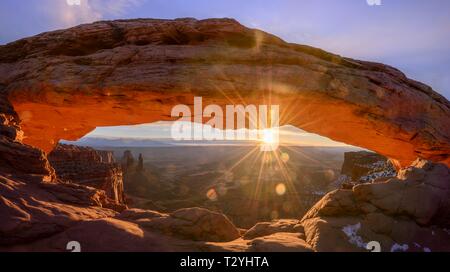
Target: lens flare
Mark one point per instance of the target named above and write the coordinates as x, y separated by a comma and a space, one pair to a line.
268, 136
285, 157
280, 189
212, 195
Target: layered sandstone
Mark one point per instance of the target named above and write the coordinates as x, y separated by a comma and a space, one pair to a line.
31, 211
65, 83
84, 165
16, 158
410, 212
363, 167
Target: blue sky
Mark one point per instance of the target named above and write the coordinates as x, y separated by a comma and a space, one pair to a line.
412, 35
287, 135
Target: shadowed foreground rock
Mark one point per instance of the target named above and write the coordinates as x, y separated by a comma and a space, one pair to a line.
193, 224
408, 213
86, 166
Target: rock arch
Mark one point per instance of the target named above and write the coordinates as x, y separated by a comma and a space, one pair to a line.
65, 83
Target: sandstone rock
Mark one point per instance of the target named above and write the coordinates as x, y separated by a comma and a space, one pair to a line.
134, 71
83, 165
32, 211
127, 160
16, 158
334, 203
195, 224
268, 228
412, 194
363, 166
137, 214
9, 120
19, 159
407, 213
276, 242
237, 245
280, 242
325, 234
107, 235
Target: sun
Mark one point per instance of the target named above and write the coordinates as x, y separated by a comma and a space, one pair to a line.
268, 136
268, 140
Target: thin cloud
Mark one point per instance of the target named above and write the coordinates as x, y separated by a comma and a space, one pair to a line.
114, 7
66, 14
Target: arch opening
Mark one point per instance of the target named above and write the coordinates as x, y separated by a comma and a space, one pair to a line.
235, 177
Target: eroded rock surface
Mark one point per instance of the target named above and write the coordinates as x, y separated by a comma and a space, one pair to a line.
409, 213
32, 211
190, 223
84, 165
268, 228
363, 167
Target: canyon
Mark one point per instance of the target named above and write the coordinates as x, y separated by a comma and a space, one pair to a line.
166, 179
86, 166
62, 84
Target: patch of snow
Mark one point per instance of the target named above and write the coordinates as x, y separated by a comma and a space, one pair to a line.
353, 238
339, 181
399, 248
319, 193
379, 169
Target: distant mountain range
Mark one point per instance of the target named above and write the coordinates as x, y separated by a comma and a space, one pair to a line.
130, 136
135, 142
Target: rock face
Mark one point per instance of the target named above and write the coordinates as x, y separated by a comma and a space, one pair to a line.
30, 211
194, 224
363, 167
409, 212
268, 228
15, 158
84, 165
65, 83
127, 160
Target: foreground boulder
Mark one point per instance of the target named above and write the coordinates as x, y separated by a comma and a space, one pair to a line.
268, 228
406, 213
191, 223
33, 211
